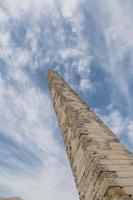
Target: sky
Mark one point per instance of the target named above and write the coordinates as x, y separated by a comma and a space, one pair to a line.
90, 44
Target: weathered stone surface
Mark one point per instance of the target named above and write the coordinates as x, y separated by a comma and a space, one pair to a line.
101, 165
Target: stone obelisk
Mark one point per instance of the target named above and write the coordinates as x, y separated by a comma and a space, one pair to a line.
101, 165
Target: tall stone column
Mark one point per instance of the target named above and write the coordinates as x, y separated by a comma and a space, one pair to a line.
101, 165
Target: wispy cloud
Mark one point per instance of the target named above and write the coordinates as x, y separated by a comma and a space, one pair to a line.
33, 161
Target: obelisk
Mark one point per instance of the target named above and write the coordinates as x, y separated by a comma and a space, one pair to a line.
101, 165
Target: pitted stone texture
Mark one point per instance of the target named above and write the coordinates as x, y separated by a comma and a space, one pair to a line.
101, 165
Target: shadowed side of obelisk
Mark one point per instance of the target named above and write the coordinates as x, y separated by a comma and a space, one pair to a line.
101, 165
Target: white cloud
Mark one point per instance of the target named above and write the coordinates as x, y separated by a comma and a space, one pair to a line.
69, 7
17, 9
116, 122
85, 85
46, 183
3, 16
27, 117
68, 53
121, 125
118, 34
5, 42
130, 131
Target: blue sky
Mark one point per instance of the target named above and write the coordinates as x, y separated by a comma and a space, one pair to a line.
90, 44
